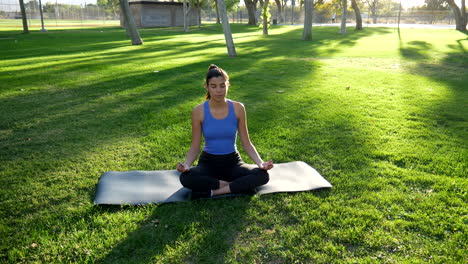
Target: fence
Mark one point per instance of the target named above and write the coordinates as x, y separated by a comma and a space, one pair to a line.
295, 16
83, 14
58, 14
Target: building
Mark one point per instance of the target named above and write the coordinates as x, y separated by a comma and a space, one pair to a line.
161, 14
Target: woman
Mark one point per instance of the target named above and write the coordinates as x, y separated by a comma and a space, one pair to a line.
220, 168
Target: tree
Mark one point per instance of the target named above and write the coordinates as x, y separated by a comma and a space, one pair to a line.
251, 9
200, 4
357, 12
129, 23
112, 5
266, 16
280, 4
373, 9
218, 21
435, 5
229, 4
324, 10
186, 10
460, 14
227, 29
23, 16
308, 11
343, 17
32, 5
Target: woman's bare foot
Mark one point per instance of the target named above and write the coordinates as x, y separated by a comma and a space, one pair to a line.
223, 190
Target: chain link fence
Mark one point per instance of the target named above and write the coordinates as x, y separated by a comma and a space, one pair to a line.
295, 16
58, 14
83, 14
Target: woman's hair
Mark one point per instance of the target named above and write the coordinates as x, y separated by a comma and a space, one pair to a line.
214, 71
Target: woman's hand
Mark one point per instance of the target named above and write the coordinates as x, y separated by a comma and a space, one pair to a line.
266, 165
182, 167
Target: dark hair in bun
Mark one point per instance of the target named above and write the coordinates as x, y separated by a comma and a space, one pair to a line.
214, 71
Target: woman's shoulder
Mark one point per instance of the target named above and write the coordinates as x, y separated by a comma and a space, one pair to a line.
198, 110
239, 109
237, 105
199, 107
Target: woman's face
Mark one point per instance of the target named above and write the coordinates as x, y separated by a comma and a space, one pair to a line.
217, 87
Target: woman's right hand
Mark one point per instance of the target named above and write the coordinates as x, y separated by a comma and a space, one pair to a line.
182, 167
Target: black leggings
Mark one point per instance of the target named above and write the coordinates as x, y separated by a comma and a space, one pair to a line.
230, 167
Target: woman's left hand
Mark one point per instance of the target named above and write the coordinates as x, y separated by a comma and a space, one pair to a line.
266, 165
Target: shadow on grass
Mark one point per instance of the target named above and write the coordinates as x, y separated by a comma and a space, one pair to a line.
444, 115
54, 129
194, 232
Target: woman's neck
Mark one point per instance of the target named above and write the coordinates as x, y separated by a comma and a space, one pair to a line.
218, 104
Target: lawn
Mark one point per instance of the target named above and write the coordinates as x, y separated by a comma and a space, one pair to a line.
380, 113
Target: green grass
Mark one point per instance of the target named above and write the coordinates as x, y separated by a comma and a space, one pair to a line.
382, 114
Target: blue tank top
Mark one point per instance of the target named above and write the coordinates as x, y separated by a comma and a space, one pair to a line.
220, 134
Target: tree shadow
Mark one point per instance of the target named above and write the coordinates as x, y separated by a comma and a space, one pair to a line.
440, 115
194, 232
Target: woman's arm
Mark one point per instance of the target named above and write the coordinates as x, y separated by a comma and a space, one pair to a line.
249, 148
192, 154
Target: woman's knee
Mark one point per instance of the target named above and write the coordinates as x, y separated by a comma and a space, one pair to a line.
185, 179
262, 176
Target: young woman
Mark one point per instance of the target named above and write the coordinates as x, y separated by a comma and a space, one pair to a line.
220, 168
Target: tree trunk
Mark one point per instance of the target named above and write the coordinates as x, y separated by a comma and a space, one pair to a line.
265, 13
292, 11
199, 16
343, 17
280, 11
199, 13
308, 10
257, 15
357, 11
129, 23
227, 29
114, 11
373, 9
217, 13
186, 10
124, 21
374, 14
250, 4
42, 17
460, 15
464, 16
23, 15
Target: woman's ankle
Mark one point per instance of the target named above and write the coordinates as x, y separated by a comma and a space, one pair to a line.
222, 190
223, 184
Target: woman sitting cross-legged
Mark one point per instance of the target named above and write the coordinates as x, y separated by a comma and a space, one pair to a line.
220, 168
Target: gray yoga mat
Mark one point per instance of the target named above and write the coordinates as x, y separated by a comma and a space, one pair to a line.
144, 187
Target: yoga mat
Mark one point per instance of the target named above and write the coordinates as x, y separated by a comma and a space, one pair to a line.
144, 187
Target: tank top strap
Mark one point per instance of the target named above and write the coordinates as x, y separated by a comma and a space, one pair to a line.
232, 111
206, 110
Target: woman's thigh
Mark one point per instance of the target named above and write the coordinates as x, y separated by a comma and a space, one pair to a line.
241, 170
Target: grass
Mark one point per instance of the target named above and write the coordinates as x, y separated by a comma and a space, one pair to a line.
380, 113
